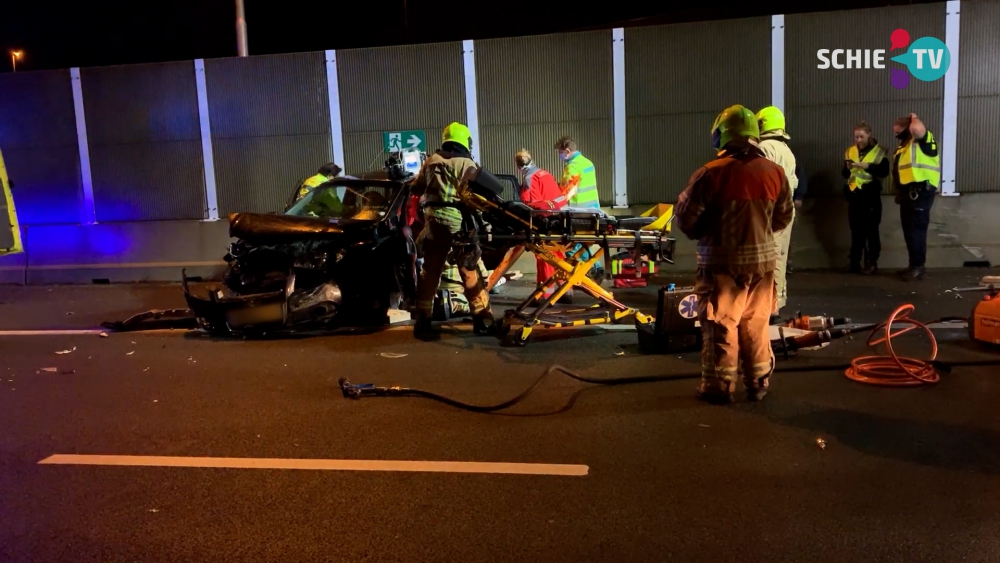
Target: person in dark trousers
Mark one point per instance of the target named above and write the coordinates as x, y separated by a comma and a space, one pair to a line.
916, 173
865, 165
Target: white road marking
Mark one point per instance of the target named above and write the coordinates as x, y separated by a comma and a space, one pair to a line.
321, 464
65, 332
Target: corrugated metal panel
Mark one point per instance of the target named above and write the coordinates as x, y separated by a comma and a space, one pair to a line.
825, 104
268, 96
397, 88
38, 139
259, 173
270, 120
145, 142
148, 181
978, 168
979, 73
674, 91
532, 90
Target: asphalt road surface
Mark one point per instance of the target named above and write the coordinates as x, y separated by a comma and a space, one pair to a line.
824, 469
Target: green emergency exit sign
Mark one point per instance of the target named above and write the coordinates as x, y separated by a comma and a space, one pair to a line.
396, 141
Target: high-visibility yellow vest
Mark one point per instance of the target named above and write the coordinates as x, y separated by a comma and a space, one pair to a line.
579, 172
915, 166
9, 243
859, 176
311, 183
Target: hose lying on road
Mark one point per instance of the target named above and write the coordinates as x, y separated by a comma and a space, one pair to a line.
893, 370
358, 391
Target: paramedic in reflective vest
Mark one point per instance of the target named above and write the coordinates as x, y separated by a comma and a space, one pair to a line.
539, 190
733, 206
865, 164
327, 172
774, 144
579, 182
916, 174
438, 180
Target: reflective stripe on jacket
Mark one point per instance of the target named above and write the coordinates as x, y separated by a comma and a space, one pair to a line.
539, 190
579, 172
913, 165
860, 176
733, 205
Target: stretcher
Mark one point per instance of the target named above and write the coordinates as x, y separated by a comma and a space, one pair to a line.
570, 232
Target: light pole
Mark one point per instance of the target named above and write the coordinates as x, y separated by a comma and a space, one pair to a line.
14, 55
241, 29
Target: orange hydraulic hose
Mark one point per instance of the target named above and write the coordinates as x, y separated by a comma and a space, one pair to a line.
893, 370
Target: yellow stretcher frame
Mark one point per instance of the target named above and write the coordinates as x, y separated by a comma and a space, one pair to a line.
15, 228
570, 273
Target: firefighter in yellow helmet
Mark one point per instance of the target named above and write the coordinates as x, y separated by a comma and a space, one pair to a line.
774, 144
438, 181
733, 205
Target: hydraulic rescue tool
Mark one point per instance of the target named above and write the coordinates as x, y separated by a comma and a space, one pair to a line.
984, 323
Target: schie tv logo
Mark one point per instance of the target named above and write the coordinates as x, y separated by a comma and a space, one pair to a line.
927, 59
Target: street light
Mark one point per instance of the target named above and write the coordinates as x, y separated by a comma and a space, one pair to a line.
14, 55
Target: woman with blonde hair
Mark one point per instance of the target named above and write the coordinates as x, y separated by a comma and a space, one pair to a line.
865, 164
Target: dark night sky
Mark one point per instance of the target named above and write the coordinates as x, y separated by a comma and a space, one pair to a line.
66, 34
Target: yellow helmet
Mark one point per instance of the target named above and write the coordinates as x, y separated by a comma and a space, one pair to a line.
457, 133
770, 118
735, 121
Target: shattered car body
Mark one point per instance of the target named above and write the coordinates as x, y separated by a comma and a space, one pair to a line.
340, 256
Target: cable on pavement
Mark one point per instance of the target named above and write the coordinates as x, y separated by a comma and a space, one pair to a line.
893, 370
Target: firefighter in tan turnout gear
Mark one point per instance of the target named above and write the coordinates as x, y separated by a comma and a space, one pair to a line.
733, 206
439, 180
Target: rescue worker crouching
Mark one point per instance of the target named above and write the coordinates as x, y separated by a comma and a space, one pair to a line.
539, 190
774, 144
733, 206
916, 174
438, 181
865, 163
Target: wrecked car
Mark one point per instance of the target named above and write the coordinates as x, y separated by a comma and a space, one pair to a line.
340, 256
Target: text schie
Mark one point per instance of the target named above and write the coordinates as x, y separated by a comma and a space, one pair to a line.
856, 58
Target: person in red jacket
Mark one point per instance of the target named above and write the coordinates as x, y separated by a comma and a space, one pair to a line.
540, 190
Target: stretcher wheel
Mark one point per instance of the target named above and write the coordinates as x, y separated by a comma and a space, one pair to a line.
521, 336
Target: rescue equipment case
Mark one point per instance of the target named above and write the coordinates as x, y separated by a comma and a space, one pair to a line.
676, 328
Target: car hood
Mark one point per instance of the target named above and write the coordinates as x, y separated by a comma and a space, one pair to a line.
272, 229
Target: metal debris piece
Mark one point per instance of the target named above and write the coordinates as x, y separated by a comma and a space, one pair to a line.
61, 352
147, 369
821, 443
392, 355
620, 353
156, 400
103, 335
69, 313
50, 370
130, 353
704, 426
154, 510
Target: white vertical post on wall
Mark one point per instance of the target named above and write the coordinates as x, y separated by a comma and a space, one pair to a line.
336, 125
949, 133
88, 213
211, 195
620, 119
778, 61
471, 105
